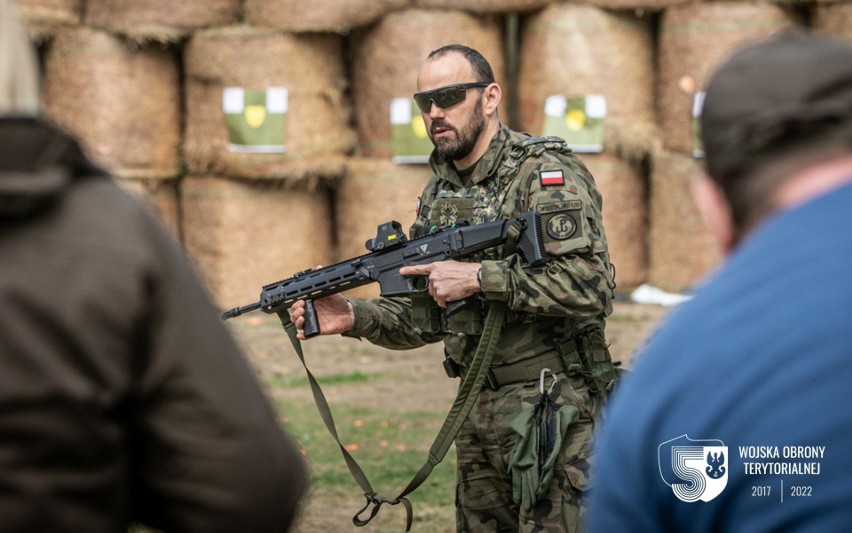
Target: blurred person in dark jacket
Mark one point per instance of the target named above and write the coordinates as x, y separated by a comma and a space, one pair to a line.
123, 398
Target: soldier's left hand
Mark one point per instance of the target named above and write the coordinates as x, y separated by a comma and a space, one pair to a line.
448, 280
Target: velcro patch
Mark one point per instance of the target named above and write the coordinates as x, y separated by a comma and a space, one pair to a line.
561, 226
551, 177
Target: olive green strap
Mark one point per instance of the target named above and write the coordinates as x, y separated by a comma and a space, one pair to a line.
466, 397
473, 379
468, 392
325, 412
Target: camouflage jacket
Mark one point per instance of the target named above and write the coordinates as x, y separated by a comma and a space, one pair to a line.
518, 173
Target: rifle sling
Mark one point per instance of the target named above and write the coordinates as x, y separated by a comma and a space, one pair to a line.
469, 389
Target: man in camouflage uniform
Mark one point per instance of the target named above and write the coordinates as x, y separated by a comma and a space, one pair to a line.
555, 313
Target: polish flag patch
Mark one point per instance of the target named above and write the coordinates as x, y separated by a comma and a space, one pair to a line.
552, 177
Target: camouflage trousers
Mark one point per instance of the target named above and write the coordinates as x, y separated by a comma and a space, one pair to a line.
484, 501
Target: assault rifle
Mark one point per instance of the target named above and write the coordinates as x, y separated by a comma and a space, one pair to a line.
389, 251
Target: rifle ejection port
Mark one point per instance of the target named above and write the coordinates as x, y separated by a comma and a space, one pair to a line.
419, 250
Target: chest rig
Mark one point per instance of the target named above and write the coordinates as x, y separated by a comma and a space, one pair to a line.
499, 195
502, 194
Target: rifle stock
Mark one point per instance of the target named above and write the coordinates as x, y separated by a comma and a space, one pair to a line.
389, 251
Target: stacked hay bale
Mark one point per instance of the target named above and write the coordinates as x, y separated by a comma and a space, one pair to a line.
45, 17
159, 20
320, 15
581, 50
576, 49
623, 187
687, 58
682, 250
161, 196
243, 235
637, 5
478, 6
149, 22
309, 66
834, 20
694, 41
251, 218
123, 102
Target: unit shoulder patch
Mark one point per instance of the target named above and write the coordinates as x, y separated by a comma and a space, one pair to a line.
564, 226
561, 226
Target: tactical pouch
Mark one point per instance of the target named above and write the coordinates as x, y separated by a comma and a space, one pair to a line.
468, 320
597, 364
425, 313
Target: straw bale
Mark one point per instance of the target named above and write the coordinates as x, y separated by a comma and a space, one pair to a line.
491, 6
834, 20
45, 17
576, 49
382, 72
639, 5
161, 196
372, 192
246, 234
694, 41
123, 102
160, 20
310, 66
681, 249
338, 16
625, 217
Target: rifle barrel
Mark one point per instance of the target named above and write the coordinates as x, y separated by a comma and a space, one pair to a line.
237, 311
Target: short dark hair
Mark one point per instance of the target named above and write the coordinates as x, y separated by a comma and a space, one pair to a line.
481, 67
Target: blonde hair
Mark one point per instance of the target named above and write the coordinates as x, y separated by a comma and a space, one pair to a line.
19, 76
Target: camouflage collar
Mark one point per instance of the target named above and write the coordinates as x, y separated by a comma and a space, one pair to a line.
487, 165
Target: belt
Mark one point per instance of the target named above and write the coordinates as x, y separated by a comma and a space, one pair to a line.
524, 371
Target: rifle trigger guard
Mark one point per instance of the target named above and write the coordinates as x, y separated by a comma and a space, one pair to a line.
418, 284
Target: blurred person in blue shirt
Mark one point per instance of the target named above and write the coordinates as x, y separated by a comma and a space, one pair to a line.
738, 415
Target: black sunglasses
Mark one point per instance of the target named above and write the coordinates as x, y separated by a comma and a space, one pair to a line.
445, 97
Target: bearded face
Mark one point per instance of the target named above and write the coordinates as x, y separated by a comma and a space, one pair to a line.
455, 142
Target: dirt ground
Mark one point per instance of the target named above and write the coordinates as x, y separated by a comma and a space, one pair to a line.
411, 379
